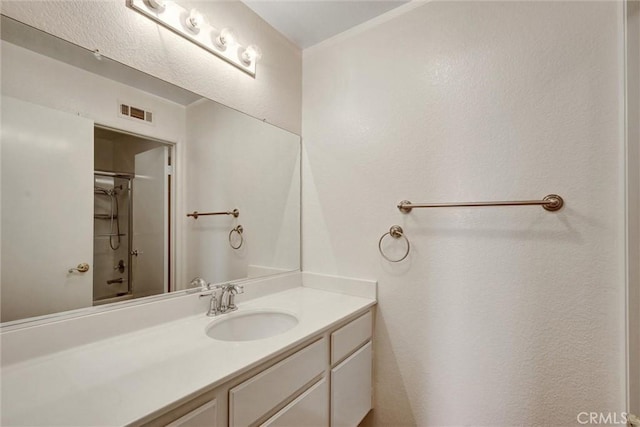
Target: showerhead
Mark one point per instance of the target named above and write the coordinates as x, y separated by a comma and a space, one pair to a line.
101, 190
108, 191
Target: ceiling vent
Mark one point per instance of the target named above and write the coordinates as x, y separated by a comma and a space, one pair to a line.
135, 113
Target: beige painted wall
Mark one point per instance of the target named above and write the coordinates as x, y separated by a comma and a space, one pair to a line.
500, 316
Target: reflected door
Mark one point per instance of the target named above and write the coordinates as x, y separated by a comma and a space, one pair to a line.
150, 257
47, 210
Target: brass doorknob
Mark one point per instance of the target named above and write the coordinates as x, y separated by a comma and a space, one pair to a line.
81, 268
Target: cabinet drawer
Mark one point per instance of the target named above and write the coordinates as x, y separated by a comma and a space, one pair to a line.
350, 336
311, 409
258, 395
351, 389
204, 416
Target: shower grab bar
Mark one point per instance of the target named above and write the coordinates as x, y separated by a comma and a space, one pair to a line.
105, 216
196, 214
551, 202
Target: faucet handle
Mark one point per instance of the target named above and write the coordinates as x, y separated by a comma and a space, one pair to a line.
210, 289
232, 290
198, 282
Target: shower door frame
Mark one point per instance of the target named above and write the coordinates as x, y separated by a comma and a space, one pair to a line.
129, 177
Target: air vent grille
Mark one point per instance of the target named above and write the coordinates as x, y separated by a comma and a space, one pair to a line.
136, 113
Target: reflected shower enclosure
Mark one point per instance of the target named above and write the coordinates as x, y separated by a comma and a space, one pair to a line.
130, 216
112, 237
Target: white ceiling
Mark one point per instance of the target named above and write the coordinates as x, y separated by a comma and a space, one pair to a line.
308, 22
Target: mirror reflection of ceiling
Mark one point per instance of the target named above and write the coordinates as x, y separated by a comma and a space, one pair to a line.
31, 38
307, 23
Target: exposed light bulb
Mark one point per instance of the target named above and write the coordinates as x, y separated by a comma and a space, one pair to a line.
194, 21
194, 26
226, 38
251, 54
158, 5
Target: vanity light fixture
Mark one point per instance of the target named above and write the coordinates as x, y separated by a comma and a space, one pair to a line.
251, 54
226, 38
194, 20
192, 25
158, 5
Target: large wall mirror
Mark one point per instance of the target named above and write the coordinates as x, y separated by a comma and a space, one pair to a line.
100, 165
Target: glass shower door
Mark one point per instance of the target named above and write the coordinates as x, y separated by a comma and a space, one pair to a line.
111, 243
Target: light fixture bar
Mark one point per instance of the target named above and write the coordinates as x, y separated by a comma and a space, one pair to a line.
180, 20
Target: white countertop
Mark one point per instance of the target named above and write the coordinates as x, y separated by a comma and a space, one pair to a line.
119, 380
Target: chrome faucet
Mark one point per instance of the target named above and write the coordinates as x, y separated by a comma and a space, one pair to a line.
230, 290
225, 303
213, 305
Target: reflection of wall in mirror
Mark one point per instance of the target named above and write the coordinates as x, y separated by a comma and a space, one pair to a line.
41, 80
67, 88
118, 153
236, 161
45, 161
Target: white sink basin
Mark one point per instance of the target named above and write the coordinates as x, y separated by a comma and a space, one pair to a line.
251, 325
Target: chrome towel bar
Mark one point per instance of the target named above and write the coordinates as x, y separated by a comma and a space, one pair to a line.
196, 214
551, 202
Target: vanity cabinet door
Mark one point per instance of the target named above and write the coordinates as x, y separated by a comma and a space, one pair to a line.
351, 388
254, 398
351, 336
310, 409
204, 416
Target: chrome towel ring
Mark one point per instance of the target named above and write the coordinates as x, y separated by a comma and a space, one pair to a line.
396, 232
239, 231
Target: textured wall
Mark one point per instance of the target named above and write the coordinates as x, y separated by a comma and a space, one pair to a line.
126, 36
236, 161
500, 316
41, 80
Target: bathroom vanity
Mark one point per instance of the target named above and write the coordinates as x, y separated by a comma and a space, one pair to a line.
318, 372
325, 381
